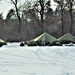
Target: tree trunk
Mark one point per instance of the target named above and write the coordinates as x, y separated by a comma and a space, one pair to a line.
71, 29
42, 16
71, 23
42, 23
62, 20
19, 19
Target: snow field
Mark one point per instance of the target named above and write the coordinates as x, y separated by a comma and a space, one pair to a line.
53, 60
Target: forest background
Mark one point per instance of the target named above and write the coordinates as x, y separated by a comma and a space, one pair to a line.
31, 18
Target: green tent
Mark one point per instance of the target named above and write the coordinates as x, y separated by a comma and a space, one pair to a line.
43, 39
67, 38
2, 42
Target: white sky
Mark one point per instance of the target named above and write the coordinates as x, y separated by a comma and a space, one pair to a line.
6, 5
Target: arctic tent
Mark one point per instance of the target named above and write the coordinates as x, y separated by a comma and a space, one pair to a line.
44, 39
2, 42
67, 38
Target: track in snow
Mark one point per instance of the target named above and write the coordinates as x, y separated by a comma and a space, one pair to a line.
15, 60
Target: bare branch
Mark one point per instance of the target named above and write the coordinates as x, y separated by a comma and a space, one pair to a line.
13, 2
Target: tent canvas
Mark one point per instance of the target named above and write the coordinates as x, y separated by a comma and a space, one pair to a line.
2, 42
45, 37
67, 37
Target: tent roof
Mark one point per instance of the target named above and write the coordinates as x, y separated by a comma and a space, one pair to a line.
45, 37
67, 37
1, 41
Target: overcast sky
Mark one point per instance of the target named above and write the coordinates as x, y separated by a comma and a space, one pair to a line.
5, 6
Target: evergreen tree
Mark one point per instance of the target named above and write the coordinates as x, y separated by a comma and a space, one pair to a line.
10, 14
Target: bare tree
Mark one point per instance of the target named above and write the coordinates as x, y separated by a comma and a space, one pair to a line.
40, 7
37, 10
70, 5
61, 6
15, 2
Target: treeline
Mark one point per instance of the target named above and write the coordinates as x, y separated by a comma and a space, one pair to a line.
32, 18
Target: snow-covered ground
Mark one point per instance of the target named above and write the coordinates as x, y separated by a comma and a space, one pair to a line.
53, 60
